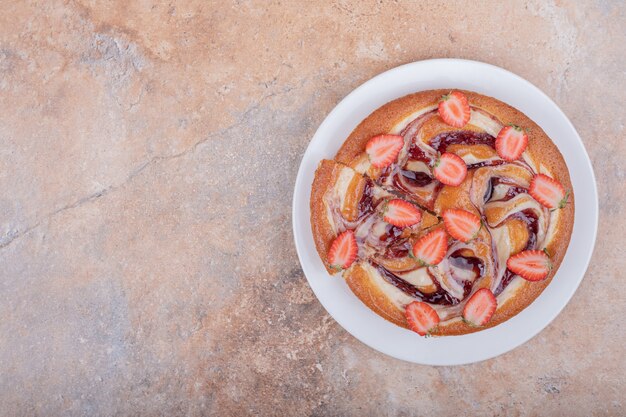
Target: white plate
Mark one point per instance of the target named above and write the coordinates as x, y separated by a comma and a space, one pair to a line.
489, 80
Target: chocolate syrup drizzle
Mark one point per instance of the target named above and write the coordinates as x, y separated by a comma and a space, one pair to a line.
439, 296
398, 246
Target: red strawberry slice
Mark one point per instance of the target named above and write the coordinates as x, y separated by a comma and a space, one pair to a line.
450, 169
461, 225
422, 318
532, 265
431, 249
480, 307
511, 142
343, 251
454, 109
547, 191
401, 213
384, 149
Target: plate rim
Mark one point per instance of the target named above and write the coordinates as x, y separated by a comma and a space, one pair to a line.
335, 113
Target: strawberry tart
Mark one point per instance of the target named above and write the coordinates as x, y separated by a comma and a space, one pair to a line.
446, 212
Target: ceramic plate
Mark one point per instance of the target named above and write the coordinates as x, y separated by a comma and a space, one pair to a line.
489, 80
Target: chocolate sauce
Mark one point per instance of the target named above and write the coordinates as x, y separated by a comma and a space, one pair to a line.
467, 262
417, 179
440, 296
366, 204
492, 163
440, 143
464, 262
488, 191
417, 154
463, 137
530, 218
511, 192
399, 185
506, 280
428, 204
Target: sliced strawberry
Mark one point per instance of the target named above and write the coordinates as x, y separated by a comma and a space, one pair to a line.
431, 249
422, 318
384, 149
532, 265
511, 142
549, 192
454, 109
401, 213
450, 169
480, 307
343, 251
461, 225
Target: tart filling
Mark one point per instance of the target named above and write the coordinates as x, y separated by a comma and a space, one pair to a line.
468, 161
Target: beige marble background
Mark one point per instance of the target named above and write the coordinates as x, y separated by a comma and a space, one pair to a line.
148, 152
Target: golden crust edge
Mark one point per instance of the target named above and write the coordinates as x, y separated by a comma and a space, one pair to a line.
360, 283
323, 232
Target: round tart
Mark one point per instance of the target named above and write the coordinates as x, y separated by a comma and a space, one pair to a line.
446, 212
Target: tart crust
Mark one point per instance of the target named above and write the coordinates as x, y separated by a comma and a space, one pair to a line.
362, 285
323, 232
543, 155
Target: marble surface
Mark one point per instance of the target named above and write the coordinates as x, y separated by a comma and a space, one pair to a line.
148, 152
